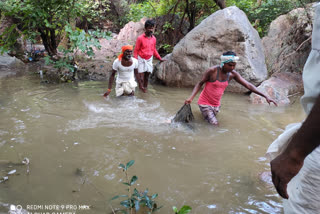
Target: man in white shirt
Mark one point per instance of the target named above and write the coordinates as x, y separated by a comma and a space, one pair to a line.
126, 68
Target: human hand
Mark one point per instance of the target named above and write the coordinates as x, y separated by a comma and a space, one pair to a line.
271, 101
107, 93
283, 169
163, 60
188, 101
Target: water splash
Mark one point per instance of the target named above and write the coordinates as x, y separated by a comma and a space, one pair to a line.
125, 112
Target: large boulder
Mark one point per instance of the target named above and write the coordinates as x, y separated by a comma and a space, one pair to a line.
288, 42
168, 30
110, 49
10, 62
227, 29
131, 31
9, 65
280, 86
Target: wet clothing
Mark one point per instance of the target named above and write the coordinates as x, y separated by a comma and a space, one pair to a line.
145, 65
209, 113
125, 81
213, 91
304, 188
125, 88
146, 47
209, 100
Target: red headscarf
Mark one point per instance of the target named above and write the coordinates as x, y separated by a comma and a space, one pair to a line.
124, 48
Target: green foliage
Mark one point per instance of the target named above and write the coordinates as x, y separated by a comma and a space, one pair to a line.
97, 10
167, 48
200, 9
49, 17
138, 11
195, 11
184, 210
8, 39
81, 41
261, 16
64, 62
167, 26
136, 199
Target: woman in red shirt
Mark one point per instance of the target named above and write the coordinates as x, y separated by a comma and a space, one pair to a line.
216, 80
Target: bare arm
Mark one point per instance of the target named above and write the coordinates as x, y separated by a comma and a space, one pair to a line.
205, 78
111, 79
288, 164
136, 48
251, 87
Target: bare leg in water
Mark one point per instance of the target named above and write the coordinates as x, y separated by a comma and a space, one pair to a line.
146, 79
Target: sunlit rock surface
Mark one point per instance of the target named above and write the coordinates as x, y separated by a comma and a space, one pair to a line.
225, 30
280, 86
288, 43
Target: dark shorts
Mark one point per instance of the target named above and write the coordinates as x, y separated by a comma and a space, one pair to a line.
209, 113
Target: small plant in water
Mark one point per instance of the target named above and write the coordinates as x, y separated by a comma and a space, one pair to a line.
135, 199
184, 210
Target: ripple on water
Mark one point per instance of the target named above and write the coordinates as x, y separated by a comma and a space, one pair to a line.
127, 112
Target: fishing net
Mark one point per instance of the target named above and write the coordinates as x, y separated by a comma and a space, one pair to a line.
184, 115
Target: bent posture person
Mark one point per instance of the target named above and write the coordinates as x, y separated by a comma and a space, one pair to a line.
144, 51
216, 79
127, 68
296, 169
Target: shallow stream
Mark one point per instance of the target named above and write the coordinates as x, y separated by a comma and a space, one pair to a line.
75, 140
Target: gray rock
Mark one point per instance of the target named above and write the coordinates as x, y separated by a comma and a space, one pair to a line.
131, 31
9, 61
279, 87
227, 29
287, 46
10, 66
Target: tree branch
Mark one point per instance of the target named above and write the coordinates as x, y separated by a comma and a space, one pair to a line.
298, 47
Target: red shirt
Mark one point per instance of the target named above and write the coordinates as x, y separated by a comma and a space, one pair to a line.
146, 47
212, 93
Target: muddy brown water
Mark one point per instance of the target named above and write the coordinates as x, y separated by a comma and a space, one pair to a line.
75, 140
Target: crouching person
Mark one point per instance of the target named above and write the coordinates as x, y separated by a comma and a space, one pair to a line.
126, 68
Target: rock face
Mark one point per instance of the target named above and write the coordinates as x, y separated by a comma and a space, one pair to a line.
131, 31
227, 29
279, 87
9, 66
9, 61
287, 46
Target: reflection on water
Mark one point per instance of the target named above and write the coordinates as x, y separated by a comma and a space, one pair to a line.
75, 140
